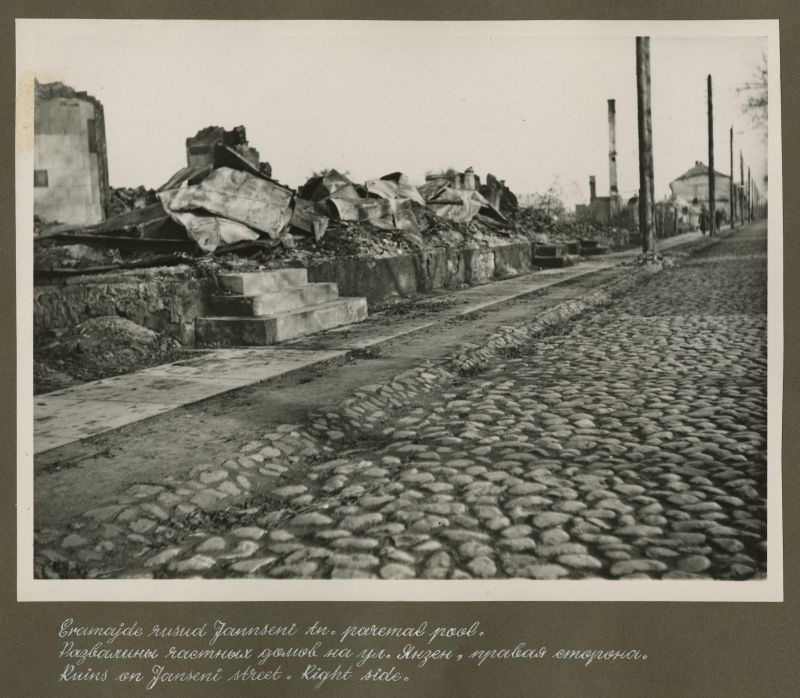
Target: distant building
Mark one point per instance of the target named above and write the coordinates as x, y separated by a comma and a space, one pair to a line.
692, 187
603, 209
70, 176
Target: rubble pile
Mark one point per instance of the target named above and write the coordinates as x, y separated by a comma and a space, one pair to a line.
499, 195
98, 348
124, 199
224, 205
543, 226
51, 255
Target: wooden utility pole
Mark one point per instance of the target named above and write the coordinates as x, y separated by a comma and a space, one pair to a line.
646, 186
755, 201
749, 196
712, 224
741, 186
733, 201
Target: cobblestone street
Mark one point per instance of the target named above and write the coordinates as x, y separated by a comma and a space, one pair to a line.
627, 443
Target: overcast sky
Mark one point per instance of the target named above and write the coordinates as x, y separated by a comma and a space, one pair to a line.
372, 98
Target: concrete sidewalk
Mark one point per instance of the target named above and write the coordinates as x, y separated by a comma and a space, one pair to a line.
65, 416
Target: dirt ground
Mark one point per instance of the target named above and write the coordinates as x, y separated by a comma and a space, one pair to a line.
98, 348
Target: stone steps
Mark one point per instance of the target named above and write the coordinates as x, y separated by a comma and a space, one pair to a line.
549, 262
270, 329
271, 302
257, 282
558, 249
556, 255
591, 247
261, 308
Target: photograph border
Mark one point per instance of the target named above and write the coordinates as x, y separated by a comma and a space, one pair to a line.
769, 589
706, 649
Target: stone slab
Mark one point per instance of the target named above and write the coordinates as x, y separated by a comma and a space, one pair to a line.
478, 265
252, 364
376, 278
259, 331
148, 388
512, 260
550, 250
256, 282
273, 302
59, 420
547, 262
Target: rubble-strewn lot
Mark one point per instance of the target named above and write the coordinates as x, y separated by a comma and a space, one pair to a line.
629, 444
98, 348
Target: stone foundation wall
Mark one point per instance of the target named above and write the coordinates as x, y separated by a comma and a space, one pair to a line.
168, 300
381, 278
162, 300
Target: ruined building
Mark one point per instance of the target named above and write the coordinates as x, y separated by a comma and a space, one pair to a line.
463, 181
70, 176
499, 195
200, 147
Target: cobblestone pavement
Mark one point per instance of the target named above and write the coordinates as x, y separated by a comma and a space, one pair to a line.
628, 443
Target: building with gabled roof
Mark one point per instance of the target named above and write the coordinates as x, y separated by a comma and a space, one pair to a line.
692, 187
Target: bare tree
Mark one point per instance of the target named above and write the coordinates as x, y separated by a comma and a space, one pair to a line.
756, 94
551, 201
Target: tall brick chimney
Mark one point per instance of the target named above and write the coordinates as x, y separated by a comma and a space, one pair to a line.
612, 148
592, 188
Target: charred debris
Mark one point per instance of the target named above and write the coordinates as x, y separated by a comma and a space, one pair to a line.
226, 210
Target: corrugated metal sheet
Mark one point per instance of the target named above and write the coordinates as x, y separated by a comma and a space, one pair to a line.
357, 209
387, 189
209, 231
455, 204
327, 185
432, 188
462, 212
190, 175
239, 196
460, 205
306, 218
388, 214
406, 220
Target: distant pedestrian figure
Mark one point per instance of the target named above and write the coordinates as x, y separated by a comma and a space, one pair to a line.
703, 220
718, 219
